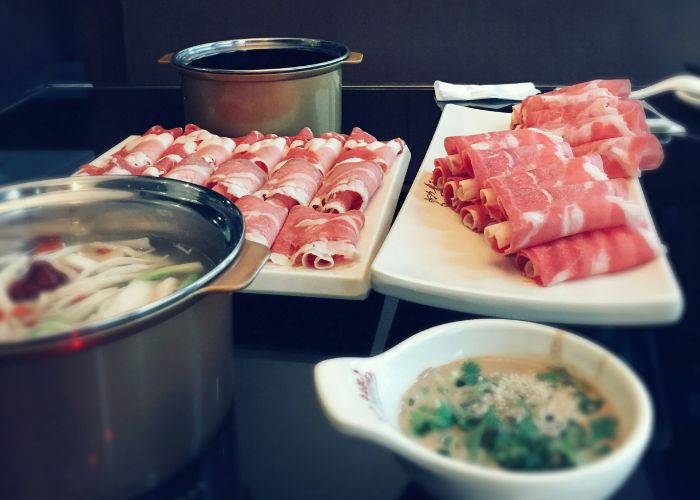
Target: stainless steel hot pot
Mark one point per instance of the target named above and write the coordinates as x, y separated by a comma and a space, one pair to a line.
110, 410
277, 96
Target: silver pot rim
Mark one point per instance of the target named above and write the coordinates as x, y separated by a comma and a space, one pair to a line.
337, 53
14, 197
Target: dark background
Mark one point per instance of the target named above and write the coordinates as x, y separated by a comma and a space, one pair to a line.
408, 41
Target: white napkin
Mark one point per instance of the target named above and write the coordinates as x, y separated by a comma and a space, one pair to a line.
514, 91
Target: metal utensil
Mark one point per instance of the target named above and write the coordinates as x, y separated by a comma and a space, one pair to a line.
685, 83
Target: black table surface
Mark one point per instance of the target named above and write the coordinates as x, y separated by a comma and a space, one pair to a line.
275, 442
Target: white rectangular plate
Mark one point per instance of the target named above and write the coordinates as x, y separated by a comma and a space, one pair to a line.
429, 257
350, 281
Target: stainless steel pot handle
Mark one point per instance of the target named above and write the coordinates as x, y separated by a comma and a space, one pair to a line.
166, 58
353, 58
252, 258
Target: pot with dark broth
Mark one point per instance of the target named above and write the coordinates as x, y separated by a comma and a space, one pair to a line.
511, 413
268, 59
278, 85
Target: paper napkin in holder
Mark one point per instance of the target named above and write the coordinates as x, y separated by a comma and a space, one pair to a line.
512, 91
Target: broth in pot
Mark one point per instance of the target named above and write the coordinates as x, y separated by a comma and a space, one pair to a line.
57, 286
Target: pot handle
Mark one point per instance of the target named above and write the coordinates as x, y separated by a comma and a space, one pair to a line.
245, 268
354, 58
166, 58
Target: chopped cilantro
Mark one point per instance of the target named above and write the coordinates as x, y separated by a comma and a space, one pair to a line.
474, 439
603, 428
470, 374
426, 419
556, 376
586, 404
574, 435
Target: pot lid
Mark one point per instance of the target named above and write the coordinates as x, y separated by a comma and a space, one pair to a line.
261, 56
175, 217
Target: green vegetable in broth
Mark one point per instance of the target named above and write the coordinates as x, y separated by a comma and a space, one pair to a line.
427, 419
470, 374
175, 270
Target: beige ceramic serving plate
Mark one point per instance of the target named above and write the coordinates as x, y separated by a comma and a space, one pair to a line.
430, 258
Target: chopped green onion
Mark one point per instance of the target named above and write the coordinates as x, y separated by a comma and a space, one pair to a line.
174, 270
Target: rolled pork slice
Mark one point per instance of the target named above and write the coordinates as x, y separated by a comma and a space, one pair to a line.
349, 186
92, 169
359, 138
448, 167
566, 171
249, 139
294, 183
342, 138
487, 164
475, 216
263, 220
630, 123
457, 163
200, 165
237, 177
625, 156
362, 146
303, 136
182, 147
321, 152
244, 143
617, 87
536, 216
451, 194
579, 111
589, 254
214, 150
326, 151
265, 153
499, 139
138, 156
317, 240
193, 169
489, 200
567, 96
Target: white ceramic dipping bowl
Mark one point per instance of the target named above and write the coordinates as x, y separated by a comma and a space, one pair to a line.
361, 397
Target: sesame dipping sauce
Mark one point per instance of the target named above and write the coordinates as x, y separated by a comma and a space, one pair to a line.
510, 413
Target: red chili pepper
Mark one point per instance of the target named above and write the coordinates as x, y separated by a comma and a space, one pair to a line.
102, 250
48, 245
77, 299
21, 311
2, 315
